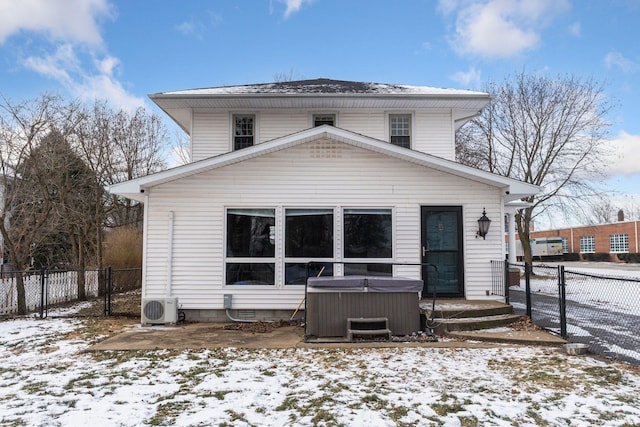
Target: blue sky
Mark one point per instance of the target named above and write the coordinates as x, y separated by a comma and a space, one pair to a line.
123, 50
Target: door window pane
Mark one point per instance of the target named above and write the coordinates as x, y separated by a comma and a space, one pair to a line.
251, 233
367, 233
442, 231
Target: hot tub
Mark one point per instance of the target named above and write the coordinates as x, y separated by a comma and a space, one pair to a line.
330, 301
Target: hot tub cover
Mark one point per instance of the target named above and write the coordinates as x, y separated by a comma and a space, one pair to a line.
366, 283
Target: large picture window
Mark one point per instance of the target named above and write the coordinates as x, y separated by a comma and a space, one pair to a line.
587, 244
619, 243
250, 247
308, 237
368, 241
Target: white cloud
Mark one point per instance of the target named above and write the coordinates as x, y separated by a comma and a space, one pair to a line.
468, 79
575, 29
186, 28
65, 67
499, 28
293, 6
616, 59
77, 60
624, 157
68, 20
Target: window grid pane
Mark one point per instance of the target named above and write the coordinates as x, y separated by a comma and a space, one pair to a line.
400, 130
243, 131
619, 243
587, 244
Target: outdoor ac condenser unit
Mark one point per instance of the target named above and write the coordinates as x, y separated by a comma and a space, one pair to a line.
159, 310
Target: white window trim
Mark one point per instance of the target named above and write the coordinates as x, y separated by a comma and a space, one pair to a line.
267, 260
387, 125
256, 127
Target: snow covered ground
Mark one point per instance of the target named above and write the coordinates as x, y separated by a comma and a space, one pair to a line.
47, 380
601, 310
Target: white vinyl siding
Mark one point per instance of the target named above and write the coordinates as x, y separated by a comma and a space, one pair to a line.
309, 175
431, 131
210, 135
434, 134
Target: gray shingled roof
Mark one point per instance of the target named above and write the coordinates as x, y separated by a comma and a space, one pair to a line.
323, 86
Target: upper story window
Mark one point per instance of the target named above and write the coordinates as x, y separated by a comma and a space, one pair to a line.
324, 119
243, 130
400, 130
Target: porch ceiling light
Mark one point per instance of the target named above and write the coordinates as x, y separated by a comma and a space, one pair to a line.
483, 225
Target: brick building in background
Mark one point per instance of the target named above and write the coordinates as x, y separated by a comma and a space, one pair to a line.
616, 239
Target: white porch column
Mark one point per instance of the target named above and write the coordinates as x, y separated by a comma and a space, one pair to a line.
511, 227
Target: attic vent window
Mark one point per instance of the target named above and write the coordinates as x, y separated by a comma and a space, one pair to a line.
243, 130
400, 127
324, 119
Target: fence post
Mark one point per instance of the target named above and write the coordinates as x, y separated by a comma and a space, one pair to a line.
563, 301
527, 287
109, 289
42, 292
506, 281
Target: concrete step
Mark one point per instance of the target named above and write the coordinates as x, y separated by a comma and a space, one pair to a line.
444, 326
455, 309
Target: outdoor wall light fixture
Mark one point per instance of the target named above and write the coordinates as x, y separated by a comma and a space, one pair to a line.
483, 225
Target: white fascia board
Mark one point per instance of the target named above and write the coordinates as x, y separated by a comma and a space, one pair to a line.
513, 189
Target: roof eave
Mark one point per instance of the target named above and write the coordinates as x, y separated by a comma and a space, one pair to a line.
513, 189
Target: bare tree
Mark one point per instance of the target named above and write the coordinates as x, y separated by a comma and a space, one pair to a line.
137, 143
25, 207
543, 131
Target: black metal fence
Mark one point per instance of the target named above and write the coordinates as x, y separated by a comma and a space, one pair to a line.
105, 290
602, 311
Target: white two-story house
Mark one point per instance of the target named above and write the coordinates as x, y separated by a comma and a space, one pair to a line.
358, 177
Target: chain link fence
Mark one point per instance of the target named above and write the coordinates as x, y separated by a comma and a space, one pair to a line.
107, 291
600, 310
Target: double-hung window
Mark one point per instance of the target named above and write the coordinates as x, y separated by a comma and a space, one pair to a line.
243, 130
250, 254
400, 130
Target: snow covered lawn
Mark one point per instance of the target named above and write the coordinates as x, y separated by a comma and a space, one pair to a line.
47, 380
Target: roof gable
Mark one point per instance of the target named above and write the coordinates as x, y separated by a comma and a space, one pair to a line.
134, 189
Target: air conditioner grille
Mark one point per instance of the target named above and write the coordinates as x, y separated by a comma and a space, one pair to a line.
154, 310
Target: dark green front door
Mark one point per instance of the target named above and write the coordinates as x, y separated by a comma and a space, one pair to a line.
442, 248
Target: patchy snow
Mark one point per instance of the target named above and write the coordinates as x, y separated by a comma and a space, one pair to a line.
324, 86
47, 380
